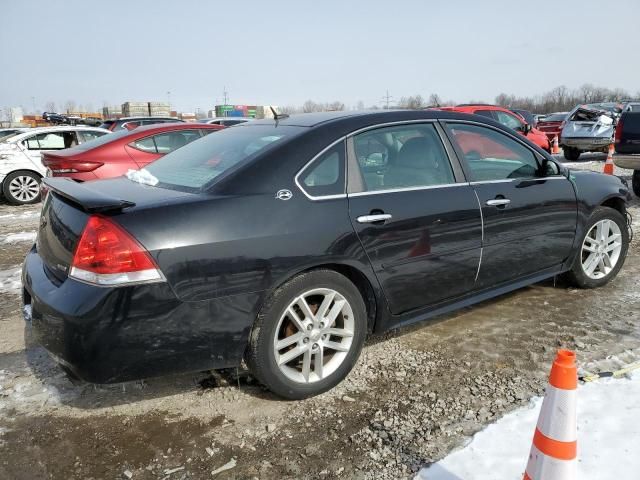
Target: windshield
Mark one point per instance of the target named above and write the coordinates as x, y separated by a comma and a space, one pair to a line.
555, 117
7, 134
196, 165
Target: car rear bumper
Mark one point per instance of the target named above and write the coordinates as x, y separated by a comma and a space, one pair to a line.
585, 143
106, 335
631, 162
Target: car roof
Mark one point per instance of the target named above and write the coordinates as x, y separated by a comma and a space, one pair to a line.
168, 126
128, 119
345, 123
468, 107
30, 131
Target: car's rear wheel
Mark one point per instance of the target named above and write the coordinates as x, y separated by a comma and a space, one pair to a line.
571, 154
21, 188
635, 182
603, 249
308, 335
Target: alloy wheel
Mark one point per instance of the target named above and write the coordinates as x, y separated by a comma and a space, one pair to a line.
601, 249
314, 335
24, 188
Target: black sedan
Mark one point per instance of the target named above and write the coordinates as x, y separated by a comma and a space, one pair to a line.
285, 242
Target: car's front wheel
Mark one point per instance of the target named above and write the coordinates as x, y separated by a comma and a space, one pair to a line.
308, 335
571, 154
603, 249
21, 188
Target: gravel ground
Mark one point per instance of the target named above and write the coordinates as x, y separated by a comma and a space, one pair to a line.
415, 394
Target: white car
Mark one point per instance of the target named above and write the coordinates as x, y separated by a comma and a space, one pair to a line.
21, 168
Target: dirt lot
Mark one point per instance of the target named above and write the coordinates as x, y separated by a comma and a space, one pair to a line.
415, 394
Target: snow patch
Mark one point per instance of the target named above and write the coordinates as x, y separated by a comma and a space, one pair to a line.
24, 215
11, 280
608, 434
13, 238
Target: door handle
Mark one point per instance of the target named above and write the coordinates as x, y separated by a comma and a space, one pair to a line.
498, 202
380, 217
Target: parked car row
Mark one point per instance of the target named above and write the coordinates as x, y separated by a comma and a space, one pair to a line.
86, 153
250, 244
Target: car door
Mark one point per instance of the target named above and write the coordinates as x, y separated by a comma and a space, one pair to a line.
529, 208
417, 218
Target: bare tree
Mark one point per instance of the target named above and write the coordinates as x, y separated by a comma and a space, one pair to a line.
70, 106
434, 100
50, 106
360, 105
413, 102
310, 106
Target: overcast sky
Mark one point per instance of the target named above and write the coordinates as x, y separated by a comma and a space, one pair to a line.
285, 52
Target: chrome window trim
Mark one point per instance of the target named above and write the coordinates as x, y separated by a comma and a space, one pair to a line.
407, 189
318, 155
389, 124
521, 179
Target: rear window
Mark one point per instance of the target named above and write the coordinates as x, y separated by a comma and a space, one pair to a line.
195, 166
107, 124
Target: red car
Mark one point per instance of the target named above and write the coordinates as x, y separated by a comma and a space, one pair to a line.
508, 119
552, 124
112, 155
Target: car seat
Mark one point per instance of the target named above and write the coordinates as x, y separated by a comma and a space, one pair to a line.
419, 163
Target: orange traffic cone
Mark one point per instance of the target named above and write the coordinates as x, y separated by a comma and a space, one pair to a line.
556, 146
553, 453
608, 165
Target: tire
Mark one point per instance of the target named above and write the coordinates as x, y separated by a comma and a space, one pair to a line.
571, 154
21, 188
635, 182
276, 323
579, 275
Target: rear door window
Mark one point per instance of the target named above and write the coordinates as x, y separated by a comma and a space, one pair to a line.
170, 141
86, 136
508, 120
403, 156
52, 141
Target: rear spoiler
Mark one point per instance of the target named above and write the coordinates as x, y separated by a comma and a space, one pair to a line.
88, 199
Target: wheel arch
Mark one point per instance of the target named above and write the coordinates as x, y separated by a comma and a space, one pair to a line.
18, 170
616, 203
371, 297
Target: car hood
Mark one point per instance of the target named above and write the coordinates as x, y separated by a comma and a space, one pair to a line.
586, 122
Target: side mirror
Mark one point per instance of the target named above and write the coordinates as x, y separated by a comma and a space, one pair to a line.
526, 128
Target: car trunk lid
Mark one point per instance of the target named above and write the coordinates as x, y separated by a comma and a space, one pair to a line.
69, 205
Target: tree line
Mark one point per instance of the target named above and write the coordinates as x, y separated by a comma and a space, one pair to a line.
558, 99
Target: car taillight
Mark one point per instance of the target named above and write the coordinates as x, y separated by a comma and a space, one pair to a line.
618, 133
108, 255
70, 166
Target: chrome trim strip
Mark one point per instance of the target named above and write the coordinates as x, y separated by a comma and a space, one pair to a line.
408, 189
481, 234
507, 180
323, 197
479, 264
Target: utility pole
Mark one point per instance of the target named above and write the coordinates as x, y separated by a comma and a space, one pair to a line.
225, 100
386, 100
33, 103
169, 101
